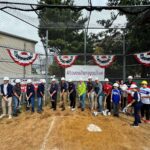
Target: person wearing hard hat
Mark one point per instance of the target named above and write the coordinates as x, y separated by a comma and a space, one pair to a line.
16, 97
136, 103
123, 87
63, 93
116, 99
7, 93
99, 95
128, 83
81, 89
107, 88
53, 90
30, 95
40, 94
145, 97
72, 94
90, 92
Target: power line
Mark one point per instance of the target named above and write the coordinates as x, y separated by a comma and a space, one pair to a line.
123, 8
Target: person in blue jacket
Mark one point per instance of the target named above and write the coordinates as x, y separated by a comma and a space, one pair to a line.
30, 95
116, 99
7, 93
40, 95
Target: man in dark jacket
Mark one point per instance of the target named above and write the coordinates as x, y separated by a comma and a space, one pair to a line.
16, 96
7, 92
72, 94
53, 93
30, 95
40, 94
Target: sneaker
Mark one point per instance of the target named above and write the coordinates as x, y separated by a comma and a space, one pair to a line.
2, 115
104, 113
10, 117
134, 125
109, 113
147, 121
73, 109
82, 109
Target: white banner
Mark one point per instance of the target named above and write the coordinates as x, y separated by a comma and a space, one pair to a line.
76, 72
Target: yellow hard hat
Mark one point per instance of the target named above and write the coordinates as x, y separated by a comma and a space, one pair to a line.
144, 82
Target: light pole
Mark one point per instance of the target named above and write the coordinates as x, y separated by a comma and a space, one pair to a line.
124, 56
45, 43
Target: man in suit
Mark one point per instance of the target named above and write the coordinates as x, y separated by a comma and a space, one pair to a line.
7, 92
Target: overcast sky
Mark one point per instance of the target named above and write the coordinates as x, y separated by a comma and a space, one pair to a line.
14, 26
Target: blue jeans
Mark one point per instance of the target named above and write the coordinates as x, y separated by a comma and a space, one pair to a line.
100, 103
82, 100
15, 103
137, 108
40, 103
31, 101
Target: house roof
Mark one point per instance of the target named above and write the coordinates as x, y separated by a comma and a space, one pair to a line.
18, 37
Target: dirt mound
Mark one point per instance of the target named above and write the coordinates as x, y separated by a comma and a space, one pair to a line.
57, 130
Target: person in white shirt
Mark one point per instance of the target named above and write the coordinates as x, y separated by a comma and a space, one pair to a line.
7, 92
145, 98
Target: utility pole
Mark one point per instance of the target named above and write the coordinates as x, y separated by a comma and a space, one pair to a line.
46, 61
124, 56
24, 68
85, 38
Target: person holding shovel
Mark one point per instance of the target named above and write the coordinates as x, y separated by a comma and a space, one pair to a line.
53, 94
30, 95
16, 97
107, 88
7, 92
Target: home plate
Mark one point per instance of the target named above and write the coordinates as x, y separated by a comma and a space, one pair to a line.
93, 128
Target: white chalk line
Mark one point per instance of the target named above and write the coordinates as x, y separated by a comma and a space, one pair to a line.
47, 135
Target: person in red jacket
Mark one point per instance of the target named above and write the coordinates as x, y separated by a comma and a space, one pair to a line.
107, 88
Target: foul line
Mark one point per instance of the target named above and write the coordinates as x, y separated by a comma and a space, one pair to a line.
47, 135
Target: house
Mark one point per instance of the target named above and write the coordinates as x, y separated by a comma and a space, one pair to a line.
7, 66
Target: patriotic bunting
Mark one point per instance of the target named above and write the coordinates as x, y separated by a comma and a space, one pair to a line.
103, 61
143, 58
65, 60
21, 57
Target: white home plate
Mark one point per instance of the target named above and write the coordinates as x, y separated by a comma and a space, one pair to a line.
93, 128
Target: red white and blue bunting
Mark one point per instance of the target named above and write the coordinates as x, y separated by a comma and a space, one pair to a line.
65, 60
103, 61
143, 58
21, 57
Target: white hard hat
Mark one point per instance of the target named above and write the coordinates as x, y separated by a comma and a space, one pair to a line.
70, 80
124, 87
80, 79
96, 78
116, 84
130, 77
42, 81
53, 79
133, 86
106, 79
17, 80
90, 77
29, 81
6, 79
62, 79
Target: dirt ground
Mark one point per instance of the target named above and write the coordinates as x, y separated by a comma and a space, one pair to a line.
67, 131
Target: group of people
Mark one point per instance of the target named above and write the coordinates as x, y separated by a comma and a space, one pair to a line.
102, 97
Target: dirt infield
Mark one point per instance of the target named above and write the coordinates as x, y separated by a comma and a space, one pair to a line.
67, 131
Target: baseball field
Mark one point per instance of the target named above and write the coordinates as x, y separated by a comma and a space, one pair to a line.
67, 130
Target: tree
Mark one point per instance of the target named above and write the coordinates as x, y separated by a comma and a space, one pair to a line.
137, 33
68, 40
